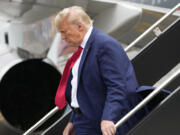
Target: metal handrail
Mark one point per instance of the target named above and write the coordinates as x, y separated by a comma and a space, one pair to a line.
41, 121
53, 111
152, 27
147, 99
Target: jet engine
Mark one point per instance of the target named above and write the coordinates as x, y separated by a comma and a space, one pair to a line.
28, 88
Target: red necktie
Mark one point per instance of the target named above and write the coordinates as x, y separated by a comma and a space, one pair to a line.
60, 99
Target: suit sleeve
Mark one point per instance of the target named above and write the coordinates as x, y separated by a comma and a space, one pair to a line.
71, 117
113, 67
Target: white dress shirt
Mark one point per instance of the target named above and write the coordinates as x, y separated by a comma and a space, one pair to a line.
74, 102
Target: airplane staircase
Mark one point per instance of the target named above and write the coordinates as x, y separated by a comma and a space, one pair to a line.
155, 60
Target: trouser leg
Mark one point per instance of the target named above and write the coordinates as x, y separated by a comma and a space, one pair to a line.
84, 126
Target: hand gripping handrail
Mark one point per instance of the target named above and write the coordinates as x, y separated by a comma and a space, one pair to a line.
152, 27
53, 111
148, 98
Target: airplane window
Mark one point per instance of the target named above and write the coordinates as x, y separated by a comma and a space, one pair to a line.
6, 38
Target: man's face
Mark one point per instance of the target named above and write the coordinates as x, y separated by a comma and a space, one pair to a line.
71, 33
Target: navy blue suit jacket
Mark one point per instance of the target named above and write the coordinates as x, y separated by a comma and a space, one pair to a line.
106, 82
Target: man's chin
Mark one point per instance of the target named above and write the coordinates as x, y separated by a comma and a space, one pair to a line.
73, 45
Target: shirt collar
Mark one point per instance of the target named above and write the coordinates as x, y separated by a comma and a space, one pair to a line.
86, 37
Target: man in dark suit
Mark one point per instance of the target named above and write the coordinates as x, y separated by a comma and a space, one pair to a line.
101, 86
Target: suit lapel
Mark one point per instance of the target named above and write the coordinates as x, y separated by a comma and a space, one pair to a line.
85, 52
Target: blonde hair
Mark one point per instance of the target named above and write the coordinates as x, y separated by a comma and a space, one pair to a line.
74, 14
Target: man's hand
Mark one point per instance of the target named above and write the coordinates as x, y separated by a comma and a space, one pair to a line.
108, 127
69, 129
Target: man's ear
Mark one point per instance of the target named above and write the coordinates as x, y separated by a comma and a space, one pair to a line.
81, 27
